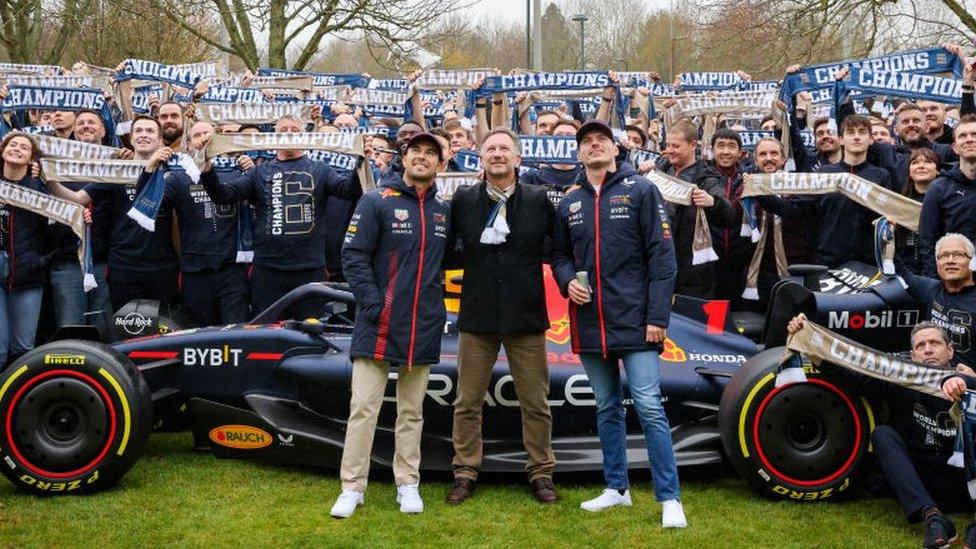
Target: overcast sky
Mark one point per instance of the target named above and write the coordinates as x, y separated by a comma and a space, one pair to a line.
514, 10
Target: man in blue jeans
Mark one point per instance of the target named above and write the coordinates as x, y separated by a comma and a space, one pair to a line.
613, 227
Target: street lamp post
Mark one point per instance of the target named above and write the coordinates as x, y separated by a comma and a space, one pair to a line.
581, 18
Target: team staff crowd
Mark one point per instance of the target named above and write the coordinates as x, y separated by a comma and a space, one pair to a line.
563, 169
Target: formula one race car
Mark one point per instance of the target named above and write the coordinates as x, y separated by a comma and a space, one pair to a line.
76, 414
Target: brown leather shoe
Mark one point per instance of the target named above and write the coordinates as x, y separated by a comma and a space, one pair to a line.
544, 491
462, 490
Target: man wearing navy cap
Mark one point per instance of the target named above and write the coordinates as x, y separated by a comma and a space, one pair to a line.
392, 257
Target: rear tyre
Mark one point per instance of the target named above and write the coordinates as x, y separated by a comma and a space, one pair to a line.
802, 441
74, 417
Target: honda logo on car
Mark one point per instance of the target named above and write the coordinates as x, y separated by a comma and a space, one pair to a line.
846, 320
241, 437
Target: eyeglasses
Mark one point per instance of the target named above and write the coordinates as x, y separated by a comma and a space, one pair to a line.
952, 255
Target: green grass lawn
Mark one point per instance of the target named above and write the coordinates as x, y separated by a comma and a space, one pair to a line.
174, 496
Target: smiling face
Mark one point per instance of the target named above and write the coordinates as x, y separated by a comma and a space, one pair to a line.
459, 139
911, 126
922, 169
171, 121
826, 140
597, 151
499, 156
678, 150
18, 152
145, 137
727, 152
420, 163
769, 156
89, 128
952, 260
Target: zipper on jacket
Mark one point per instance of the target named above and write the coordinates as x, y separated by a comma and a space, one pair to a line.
420, 274
599, 286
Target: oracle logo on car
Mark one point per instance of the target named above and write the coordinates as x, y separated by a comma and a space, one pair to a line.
241, 437
846, 320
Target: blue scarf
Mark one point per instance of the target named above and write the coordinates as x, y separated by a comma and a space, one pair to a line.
709, 81
44, 98
900, 84
158, 72
146, 204
924, 61
965, 454
225, 94
390, 84
544, 81
321, 78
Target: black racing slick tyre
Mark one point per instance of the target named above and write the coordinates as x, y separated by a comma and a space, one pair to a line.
74, 417
800, 441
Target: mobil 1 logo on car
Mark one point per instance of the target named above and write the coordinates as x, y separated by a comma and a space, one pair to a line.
857, 320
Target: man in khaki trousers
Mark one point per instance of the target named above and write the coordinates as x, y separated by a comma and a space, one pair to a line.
502, 228
392, 256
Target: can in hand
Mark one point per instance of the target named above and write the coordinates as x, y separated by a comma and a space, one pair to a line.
583, 279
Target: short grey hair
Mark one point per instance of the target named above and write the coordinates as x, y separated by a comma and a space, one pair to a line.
929, 325
950, 236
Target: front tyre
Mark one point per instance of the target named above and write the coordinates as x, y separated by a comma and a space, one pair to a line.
74, 417
801, 441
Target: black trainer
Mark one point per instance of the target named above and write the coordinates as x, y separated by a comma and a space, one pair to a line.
940, 532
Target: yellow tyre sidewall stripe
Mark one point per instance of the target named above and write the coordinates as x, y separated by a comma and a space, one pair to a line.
745, 410
11, 379
125, 410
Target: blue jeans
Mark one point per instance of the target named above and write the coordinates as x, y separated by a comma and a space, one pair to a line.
73, 306
643, 381
19, 311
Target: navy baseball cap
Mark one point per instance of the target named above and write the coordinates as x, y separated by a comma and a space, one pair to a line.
429, 138
594, 125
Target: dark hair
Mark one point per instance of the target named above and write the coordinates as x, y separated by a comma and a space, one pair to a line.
640, 131
96, 114
243, 127
820, 122
726, 133
440, 132
909, 187
139, 117
855, 121
35, 149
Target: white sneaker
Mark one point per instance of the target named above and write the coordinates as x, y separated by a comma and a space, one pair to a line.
674, 514
609, 498
409, 499
346, 503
